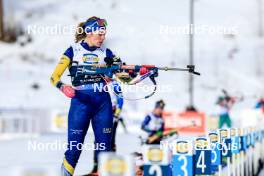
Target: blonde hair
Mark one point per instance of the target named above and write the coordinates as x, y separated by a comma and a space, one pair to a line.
80, 33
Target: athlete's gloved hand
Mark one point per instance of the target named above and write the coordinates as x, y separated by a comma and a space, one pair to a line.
109, 61
68, 91
143, 70
112, 61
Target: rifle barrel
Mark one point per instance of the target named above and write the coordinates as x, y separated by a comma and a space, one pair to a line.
191, 70
173, 69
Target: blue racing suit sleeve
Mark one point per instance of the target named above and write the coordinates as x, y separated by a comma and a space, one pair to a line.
69, 53
109, 53
144, 125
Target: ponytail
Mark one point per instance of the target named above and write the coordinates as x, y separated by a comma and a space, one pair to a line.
80, 33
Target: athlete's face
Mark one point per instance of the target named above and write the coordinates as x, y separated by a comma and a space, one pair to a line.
158, 111
96, 38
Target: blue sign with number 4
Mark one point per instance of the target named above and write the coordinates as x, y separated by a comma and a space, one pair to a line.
203, 162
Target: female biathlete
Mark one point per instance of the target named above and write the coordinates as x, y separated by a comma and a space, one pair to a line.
87, 105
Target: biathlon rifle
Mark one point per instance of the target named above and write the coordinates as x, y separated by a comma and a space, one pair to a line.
110, 70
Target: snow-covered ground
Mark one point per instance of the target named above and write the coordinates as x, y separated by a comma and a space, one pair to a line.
45, 153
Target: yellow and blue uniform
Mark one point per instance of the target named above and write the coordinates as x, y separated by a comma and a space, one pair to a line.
117, 105
152, 124
87, 105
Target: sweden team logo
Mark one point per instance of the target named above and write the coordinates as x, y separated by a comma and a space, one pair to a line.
90, 58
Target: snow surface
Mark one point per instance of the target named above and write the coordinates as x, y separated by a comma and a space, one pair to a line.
23, 157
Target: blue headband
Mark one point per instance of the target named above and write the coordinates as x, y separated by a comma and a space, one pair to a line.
93, 25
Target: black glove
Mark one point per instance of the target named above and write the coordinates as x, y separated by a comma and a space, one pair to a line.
112, 61
109, 61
